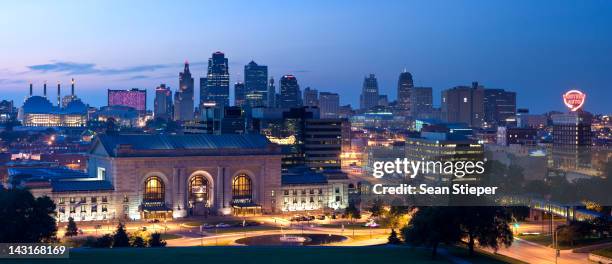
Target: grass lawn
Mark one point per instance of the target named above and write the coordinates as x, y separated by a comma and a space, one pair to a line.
546, 240
268, 255
606, 252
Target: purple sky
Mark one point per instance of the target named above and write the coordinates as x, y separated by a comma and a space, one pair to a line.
537, 48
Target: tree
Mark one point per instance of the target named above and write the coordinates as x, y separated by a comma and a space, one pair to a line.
138, 242
432, 226
377, 207
352, 211
25, 219
486, 225
104, 241
71, 229
156, 240
393, 239
120, 238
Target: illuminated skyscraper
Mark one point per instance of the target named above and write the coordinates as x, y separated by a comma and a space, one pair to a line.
163, 102
421, 102
239, 94
404, 87
311, 97
183, 98
499, 105
255, 82
369, 93
329, 105
215, 87
290, 94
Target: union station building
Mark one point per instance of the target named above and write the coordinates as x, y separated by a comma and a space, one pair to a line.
165, 176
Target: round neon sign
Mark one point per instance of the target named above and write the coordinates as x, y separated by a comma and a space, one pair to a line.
574, 99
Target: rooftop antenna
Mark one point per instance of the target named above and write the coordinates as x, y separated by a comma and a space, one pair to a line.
72, 87
45, 89
31, 90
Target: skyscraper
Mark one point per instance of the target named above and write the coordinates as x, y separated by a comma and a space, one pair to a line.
499, 105
311, 97
271, 94
163, 102
256, 84
421, 102
215, 88
290, 95
464, 104
239, 94
134, 98
329, 105
369, 93
404, 87
183, 98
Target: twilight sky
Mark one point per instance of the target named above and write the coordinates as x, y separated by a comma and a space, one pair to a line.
537, 48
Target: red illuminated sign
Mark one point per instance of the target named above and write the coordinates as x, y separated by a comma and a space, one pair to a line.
574, 99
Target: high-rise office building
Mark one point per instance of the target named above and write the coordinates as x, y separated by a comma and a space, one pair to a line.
323, 143
421, 102
499, 105
572, 129
184, 97
256, 84
329, 105
134, 98
369, 93
215, 87
311, 97
271, 94
404, 87
163, 102
464, 104
290, 95
239, 94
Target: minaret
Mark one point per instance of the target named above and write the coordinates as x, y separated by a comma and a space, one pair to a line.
72, 87
45, 89
31, 90
59, 96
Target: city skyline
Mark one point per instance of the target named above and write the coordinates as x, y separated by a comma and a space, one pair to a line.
566, 48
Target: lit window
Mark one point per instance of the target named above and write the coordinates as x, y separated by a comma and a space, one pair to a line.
242, 187
154, 190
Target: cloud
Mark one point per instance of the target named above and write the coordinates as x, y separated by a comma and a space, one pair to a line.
74, 68
137, 77
11, 81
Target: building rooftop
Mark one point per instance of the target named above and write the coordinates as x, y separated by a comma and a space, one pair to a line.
191, 144
76, 185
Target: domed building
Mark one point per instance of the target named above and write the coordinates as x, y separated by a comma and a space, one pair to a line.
38, 111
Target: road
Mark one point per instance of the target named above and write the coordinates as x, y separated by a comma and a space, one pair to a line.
534, 253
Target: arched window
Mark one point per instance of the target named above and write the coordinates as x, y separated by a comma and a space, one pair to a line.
154, 190
242, 187
198, 189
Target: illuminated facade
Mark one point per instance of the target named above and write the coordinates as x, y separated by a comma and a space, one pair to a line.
168, 176
134, 98
38, 111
